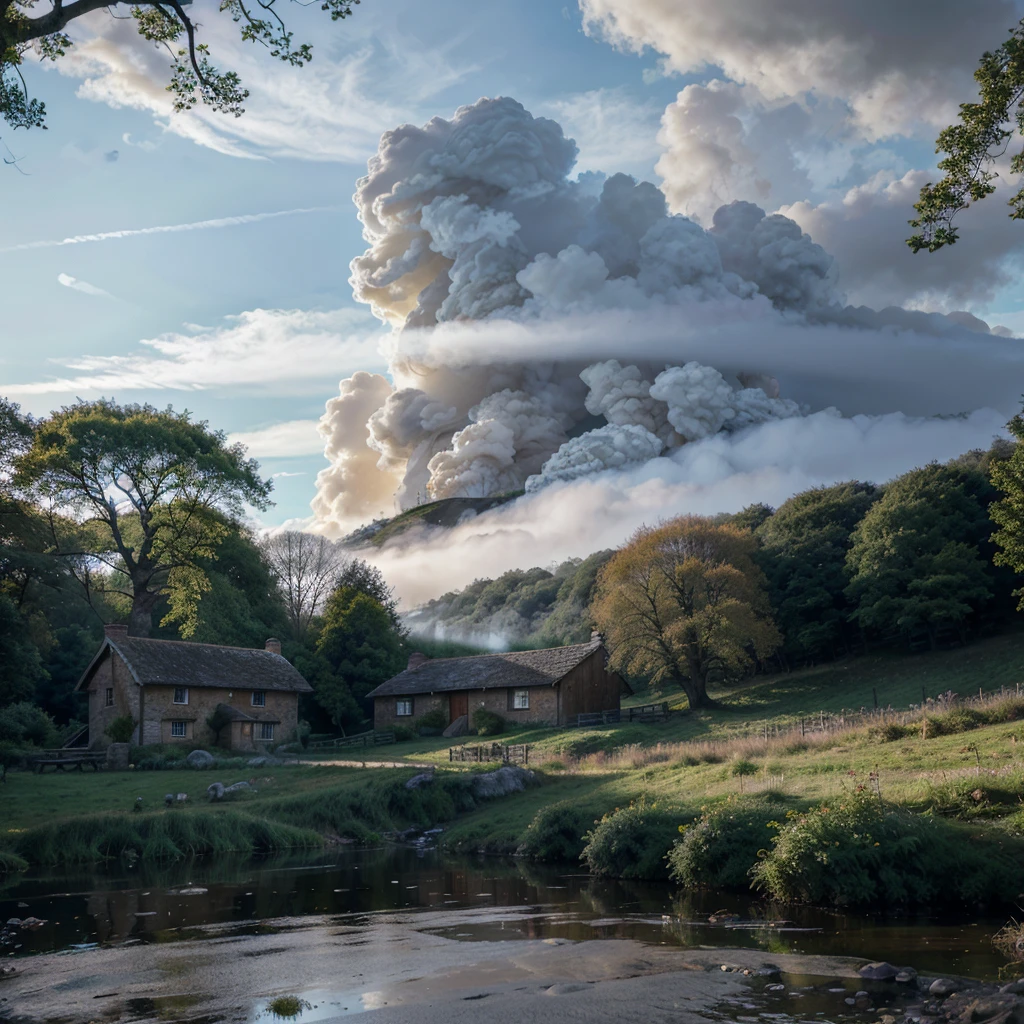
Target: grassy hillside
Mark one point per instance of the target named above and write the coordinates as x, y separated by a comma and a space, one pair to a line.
444, 513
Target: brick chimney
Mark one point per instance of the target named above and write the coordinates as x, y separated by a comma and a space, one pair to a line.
115, 631
596, 634
273, 645
416, 659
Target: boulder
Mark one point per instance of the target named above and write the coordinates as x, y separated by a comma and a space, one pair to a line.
878, 971
459, 727
943, 987
502, 782
200, 759
215, 791
264, 761
423, 779
238, 789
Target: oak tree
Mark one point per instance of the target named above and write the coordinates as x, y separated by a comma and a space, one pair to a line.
150, 493
685, 603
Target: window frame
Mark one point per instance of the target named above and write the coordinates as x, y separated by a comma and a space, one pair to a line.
513, 698
183, 735
108, 697
401, 702
177, 690
262, 702
266, 732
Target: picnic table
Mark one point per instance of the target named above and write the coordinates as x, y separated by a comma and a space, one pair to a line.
66, 760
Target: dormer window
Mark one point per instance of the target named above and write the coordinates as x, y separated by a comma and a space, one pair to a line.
181, 695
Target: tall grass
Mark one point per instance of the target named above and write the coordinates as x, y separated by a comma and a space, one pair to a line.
158, 837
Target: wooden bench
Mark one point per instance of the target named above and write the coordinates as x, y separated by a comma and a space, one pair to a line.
65, 760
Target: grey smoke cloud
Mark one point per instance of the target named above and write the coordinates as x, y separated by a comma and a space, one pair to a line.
545, 326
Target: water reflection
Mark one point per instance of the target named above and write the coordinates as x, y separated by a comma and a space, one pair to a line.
161, 904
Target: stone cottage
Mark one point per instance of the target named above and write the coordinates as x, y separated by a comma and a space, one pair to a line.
548, 687
171, 687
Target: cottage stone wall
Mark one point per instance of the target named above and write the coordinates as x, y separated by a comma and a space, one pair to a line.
154, 709
543, 708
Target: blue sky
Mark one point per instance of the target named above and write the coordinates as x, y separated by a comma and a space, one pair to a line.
77, 316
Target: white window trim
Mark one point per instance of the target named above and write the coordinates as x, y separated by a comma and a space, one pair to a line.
262, 703
516, 694
263, 727
183, 735
174, 699
403, 702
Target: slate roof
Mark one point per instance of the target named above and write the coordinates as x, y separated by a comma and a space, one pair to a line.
181, 663
488, 671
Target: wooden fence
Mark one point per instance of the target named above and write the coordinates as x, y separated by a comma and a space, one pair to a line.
645, 713
370, 738
506, 753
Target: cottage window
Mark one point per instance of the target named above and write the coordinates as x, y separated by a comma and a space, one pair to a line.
259, 698
110, 697
520, 700
266, 730
403, 707
179, 730
181, 695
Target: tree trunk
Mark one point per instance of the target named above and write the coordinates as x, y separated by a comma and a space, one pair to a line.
140, 621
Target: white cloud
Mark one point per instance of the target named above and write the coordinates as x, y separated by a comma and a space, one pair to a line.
82, 286
866, 228
897, 65
162, 229
613, 132
280, 440
262, 349
722, 473
333, 109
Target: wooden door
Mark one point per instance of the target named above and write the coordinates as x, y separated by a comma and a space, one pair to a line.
458, 705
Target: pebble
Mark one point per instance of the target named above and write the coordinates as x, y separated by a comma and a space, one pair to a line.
775, 988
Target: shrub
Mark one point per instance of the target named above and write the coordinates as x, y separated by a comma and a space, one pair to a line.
889, 732
630, 843
723, 845
556, 833
955, 720
25, 723
855, 852
402, 733
121, 729
487, 723
433, 719
1009, 710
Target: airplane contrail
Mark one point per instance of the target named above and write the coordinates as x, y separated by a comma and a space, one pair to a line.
199, 225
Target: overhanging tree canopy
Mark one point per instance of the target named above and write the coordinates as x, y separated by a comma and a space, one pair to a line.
151, 493
165, 23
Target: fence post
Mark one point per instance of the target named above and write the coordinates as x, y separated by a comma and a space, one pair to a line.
801, 727
874, 694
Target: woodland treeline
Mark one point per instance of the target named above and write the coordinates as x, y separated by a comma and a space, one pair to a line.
131, 514
927, 560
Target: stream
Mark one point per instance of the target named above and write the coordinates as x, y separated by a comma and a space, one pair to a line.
153, 904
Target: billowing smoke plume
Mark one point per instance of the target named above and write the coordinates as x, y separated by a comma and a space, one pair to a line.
505, 281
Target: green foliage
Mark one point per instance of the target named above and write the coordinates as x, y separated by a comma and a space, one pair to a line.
1008, 512
973, 145
632, 842
721, 847
433, 719
362, 647
121, 729
487, 723
403, 733
178, 485
742, 768
856, 852
21, 666
217, 721
359, 576
803, 554
556, 833
24, 723
194, 77
915, 564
